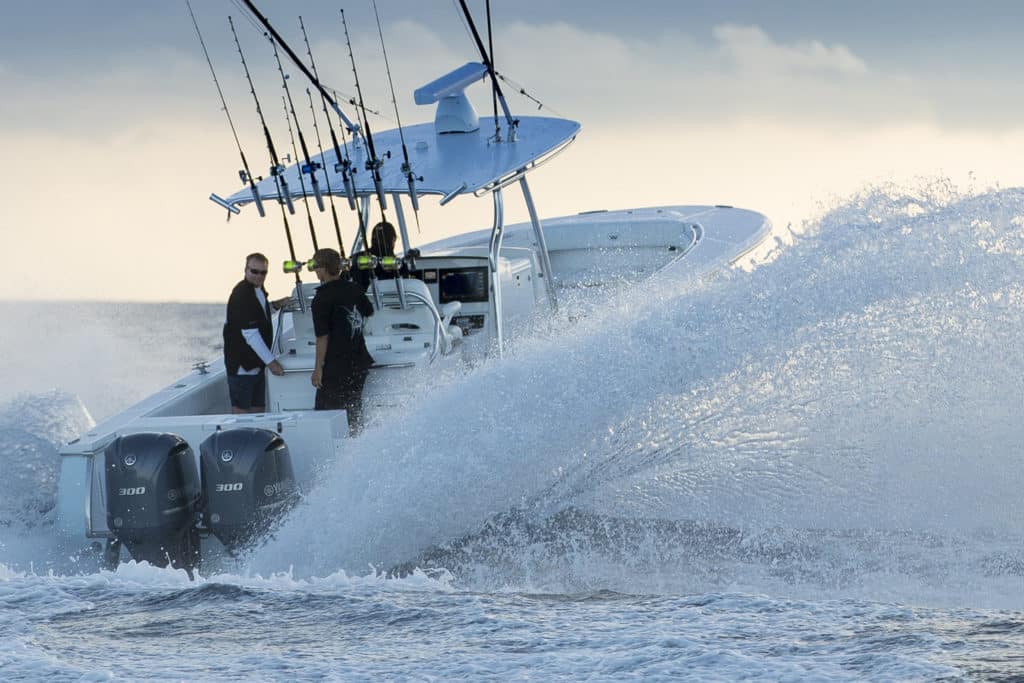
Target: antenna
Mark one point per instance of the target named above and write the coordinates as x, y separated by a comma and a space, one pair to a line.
512, 123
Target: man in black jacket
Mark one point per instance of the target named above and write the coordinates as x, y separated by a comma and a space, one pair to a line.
248, 334
342, 361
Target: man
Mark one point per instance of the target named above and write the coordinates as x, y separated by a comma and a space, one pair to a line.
342, 361
248, 334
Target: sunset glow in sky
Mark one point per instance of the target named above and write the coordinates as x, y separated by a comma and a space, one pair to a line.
113, 136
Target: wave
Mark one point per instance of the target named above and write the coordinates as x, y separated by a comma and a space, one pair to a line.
866, 378
32, 429
820, 420
578, 552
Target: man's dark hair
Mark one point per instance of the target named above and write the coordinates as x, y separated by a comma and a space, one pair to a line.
256, 256
328, 259
382, 241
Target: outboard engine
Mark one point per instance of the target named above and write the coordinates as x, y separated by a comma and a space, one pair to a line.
153, 498
248, 484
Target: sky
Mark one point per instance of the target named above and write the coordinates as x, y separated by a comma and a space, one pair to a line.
113, 134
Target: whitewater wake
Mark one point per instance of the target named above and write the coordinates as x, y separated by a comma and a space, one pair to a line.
842, 417
864, 381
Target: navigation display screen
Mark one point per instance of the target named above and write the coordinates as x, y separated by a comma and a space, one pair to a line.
462, 284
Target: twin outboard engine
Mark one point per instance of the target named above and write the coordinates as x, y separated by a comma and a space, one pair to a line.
153, 498
158, 504
248, 484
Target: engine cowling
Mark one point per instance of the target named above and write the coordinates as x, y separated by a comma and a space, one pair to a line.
248, 484
153, 498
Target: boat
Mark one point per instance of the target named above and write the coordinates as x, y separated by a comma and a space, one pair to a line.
178, 480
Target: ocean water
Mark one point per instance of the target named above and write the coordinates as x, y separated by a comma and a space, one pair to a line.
806, 470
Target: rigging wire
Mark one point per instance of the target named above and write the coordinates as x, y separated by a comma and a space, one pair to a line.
505, 79
489, 63
248, 17
465, 25
520, 90
494, 91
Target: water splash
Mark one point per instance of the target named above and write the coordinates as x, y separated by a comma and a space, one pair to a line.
32, 429
827, 419
865, 379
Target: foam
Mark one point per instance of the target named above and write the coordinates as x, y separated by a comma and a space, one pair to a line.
864, 378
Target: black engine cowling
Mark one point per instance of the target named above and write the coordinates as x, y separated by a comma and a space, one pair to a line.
153, 498
248, 484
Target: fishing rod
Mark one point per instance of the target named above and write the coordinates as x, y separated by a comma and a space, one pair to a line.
353, 128
244, 174
310, 166
359, 215
327, 176
302, 183
343, 164
276, 169
410, 177
512, 123
374, 163
350, 184
352, 196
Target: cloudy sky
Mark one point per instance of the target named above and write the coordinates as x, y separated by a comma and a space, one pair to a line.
113, 136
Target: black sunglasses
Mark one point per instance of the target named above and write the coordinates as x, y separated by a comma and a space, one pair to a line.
257, 272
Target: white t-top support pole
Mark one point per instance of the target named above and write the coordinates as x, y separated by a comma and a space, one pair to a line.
497, 233
538, 233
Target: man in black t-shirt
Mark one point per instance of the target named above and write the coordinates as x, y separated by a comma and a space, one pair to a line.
342, 361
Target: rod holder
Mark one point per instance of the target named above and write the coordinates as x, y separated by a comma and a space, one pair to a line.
452, 195
224, 203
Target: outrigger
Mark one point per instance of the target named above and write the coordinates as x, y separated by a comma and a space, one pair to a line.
176, 478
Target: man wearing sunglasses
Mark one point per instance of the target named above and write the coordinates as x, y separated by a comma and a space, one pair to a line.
248, 334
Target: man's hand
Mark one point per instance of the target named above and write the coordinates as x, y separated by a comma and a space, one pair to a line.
275, 368
316, 378
278, 304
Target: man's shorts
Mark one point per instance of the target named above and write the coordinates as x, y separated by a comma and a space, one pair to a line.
248, 391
